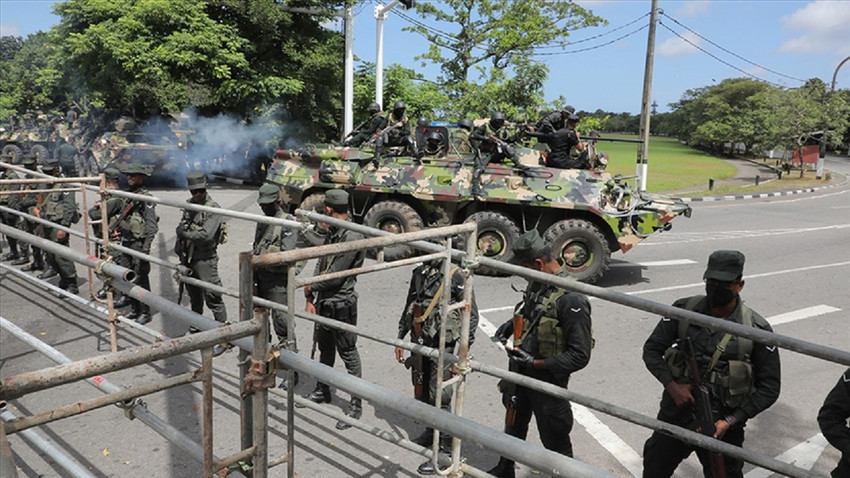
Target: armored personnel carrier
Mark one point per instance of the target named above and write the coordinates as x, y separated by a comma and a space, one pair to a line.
33, 134
585, 215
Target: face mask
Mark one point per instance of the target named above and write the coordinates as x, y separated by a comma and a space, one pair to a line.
269, 209
718, 296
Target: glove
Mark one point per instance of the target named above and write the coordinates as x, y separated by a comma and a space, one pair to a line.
504, 331
521, 357
180, 230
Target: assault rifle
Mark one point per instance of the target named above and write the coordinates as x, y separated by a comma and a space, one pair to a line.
702, 409
416, 363
122, 218
510, 411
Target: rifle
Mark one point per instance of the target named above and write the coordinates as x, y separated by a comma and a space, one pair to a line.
416, 362
510, 411
315, 341
356, 129
113, 227
702, 409
184, 252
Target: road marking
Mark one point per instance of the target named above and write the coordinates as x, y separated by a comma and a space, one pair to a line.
804, 456
746, 277
688, 237
615, 445
673, 262
801, 314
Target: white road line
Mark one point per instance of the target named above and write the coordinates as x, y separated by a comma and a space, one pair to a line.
804, 456
801, 314
615, 445
688, 237
746, 277
673, 262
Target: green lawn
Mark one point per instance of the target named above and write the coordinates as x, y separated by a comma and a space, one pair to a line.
671, 165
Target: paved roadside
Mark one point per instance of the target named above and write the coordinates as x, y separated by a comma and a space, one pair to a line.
747, 172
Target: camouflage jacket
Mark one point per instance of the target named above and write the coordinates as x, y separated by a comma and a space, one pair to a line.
143, 223
201, 230
424, 285
338, 289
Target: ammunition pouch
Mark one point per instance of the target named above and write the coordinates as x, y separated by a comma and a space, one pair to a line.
677, 362
342, 310
736, 385
550, 337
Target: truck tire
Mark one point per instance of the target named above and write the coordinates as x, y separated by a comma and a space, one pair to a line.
581, 246
41, 153
15, 152
314, 236
396, 217
497, 234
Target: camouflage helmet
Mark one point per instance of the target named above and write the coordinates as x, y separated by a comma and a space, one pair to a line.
374, 108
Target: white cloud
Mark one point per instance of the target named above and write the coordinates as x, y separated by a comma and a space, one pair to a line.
694, 8
677, 46
819, 27
9, 30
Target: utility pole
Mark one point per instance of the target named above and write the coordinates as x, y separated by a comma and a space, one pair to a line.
825, 140
646, 102
380, 16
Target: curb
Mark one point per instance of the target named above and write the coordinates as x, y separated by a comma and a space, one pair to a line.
738, 197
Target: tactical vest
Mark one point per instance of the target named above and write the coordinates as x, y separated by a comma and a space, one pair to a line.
270, 243
429, 314
54, 205
732, 385
194, 220
10, 175
550, 334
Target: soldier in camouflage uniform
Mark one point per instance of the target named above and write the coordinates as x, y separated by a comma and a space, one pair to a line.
743, 377
10, 201
397, 128
60, 208
137, 231
421, 318
555, 342
29, 203
199, 234
336, 299
114, 208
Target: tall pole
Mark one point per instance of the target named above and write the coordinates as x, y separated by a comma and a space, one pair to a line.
646, 102
348, 102
825, 139
380, 16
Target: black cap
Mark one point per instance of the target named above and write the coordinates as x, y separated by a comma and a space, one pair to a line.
724, 266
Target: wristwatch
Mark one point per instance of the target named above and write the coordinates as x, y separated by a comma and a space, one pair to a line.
730, 419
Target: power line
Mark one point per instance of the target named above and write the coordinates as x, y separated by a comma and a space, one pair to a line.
716, 57
608, 32
729, 52
595, 47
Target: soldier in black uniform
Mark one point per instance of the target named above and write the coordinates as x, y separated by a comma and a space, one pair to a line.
555, 342
367, 130
199, 235
270, 282
561, 142
421, 319
832, 419
555, 120
61, 208
336, 299
493, 143
137, 232
743, 376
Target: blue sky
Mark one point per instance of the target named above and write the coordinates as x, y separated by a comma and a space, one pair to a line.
781, 42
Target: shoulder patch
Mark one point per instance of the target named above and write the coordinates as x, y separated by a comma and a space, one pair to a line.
770, 348
846, 376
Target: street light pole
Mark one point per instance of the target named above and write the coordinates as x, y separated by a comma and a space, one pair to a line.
380, 16
825, 140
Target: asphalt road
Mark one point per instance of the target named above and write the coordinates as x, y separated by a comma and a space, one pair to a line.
797, 264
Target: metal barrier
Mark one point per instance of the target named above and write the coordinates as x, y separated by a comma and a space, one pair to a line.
254, 410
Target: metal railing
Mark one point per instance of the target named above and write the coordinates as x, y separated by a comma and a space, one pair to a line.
254, 409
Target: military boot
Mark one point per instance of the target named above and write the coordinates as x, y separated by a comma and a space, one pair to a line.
322, 394
101, 294
505, 469
427, 467
37, 264
49, 273
122, 301
10, 256
355, 410
426, 438
22, 259
285, 386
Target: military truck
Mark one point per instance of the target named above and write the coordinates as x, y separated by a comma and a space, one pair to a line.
33, 134
585, 215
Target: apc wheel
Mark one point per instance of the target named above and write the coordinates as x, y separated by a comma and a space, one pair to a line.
581, 246
316, 203
15, 152
497, 234
41, 153
395, 217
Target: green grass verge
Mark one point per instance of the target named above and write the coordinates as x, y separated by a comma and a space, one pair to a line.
671, 165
